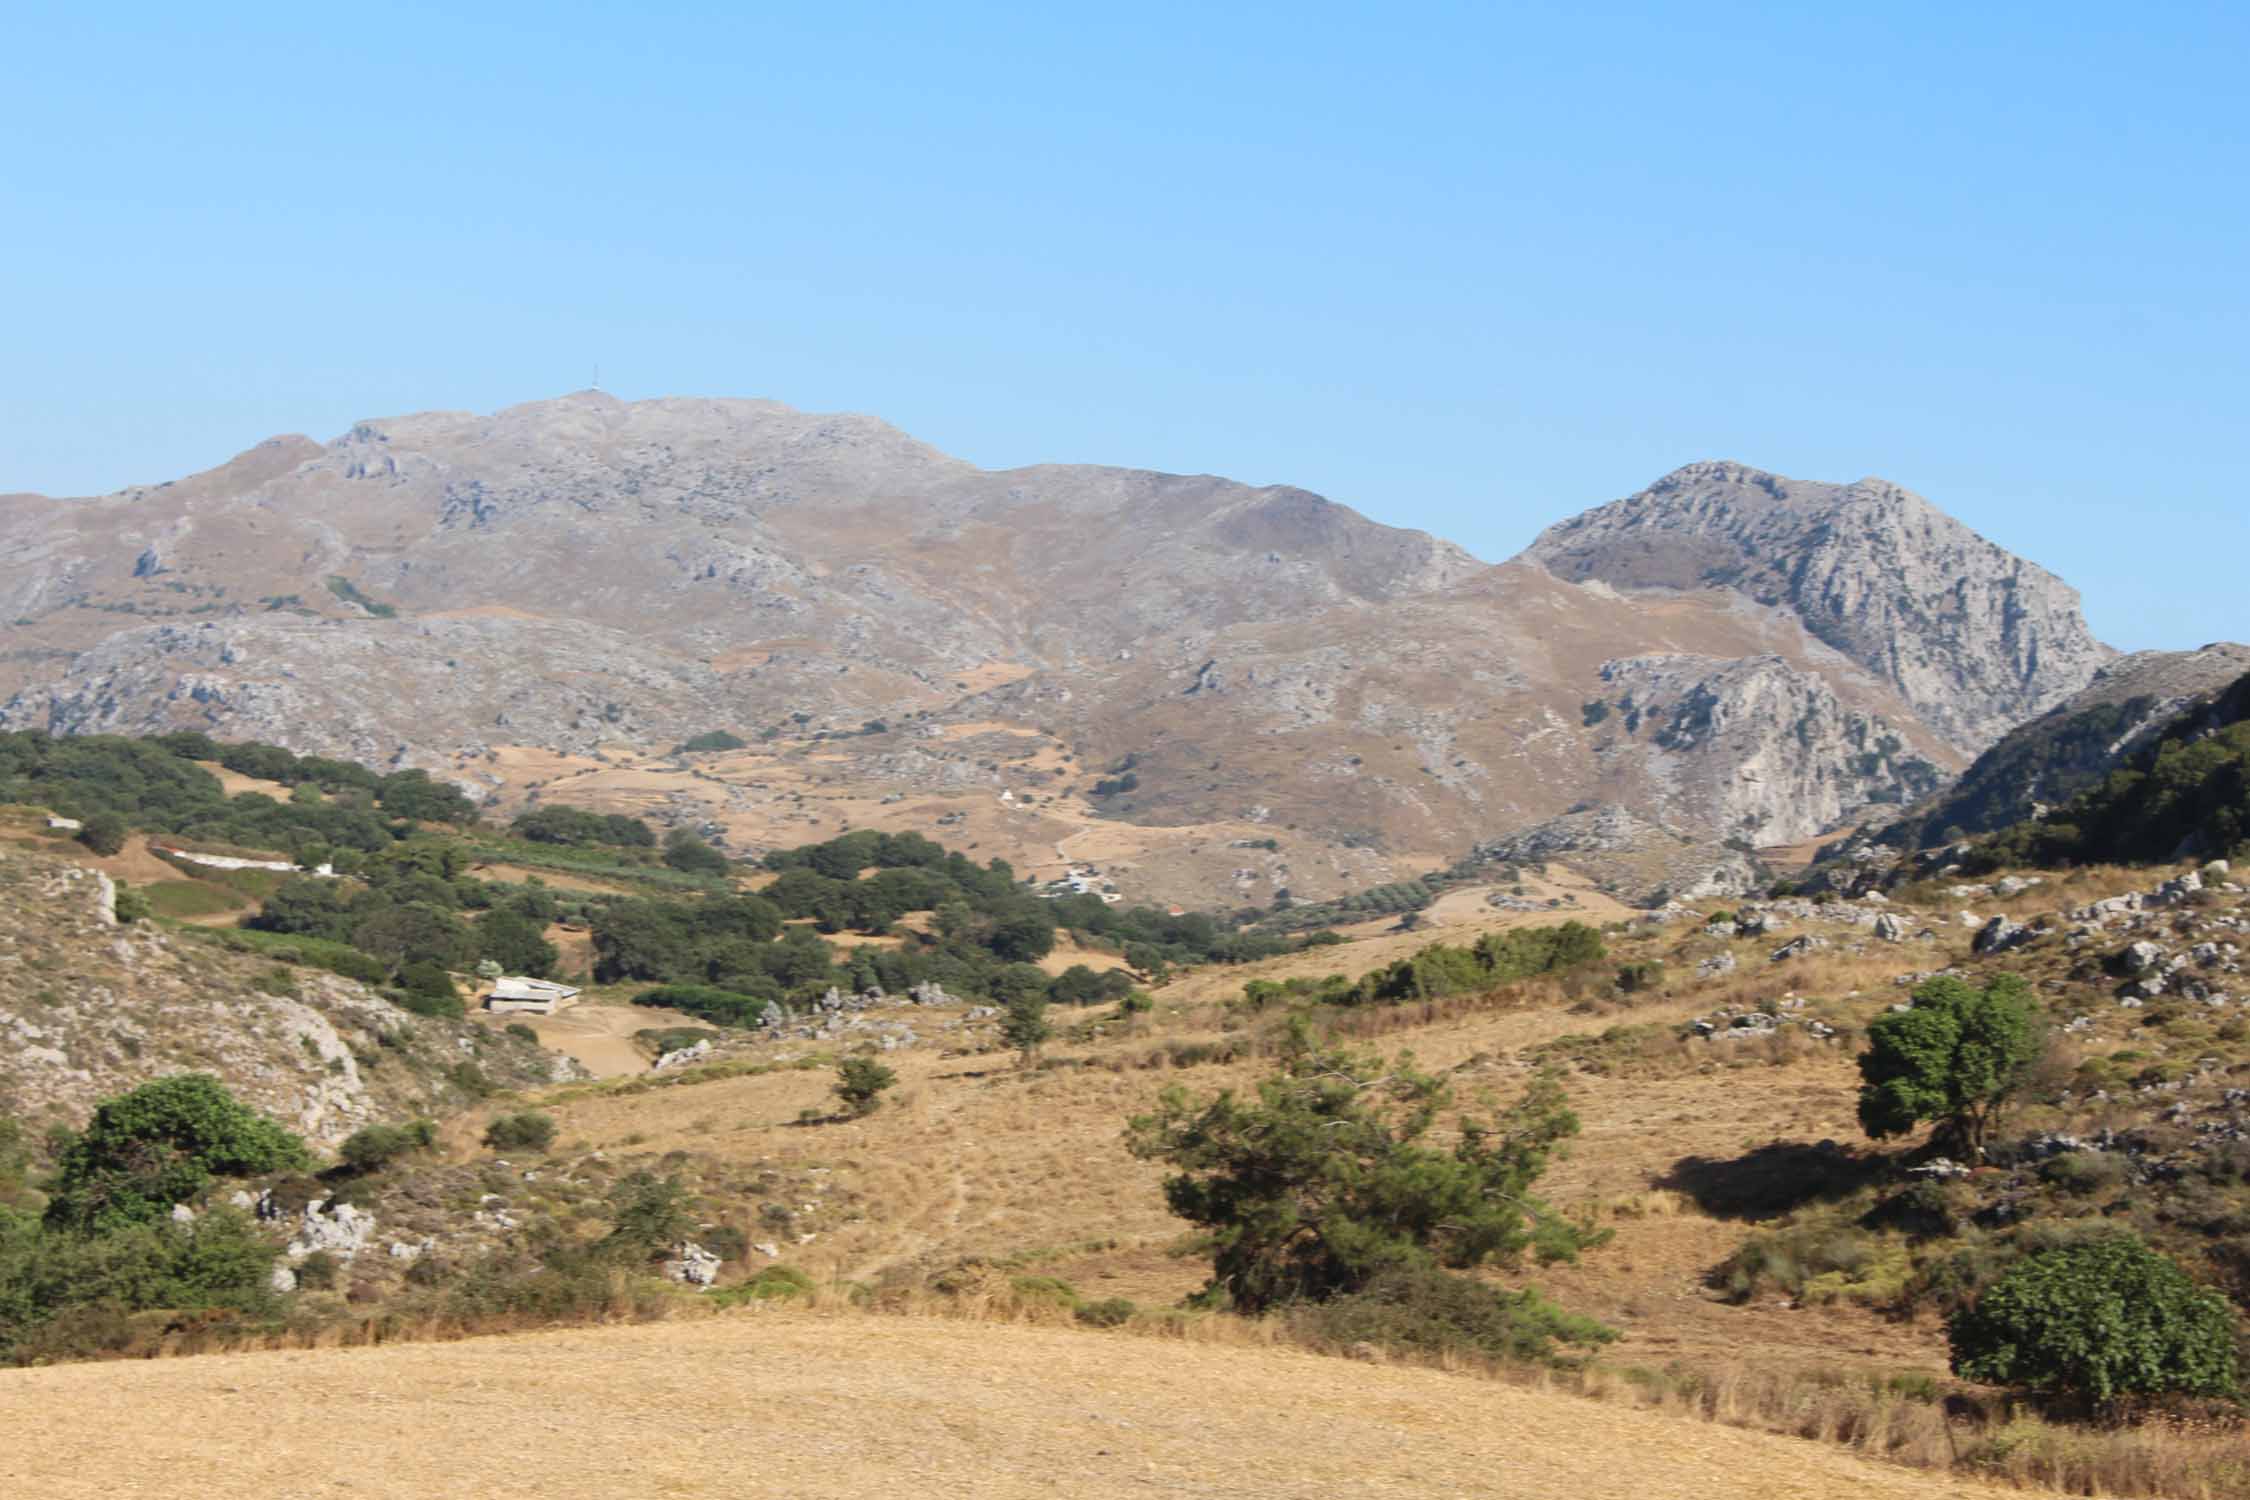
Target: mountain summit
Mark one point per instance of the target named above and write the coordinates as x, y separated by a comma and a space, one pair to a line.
1264, 688
1974, 637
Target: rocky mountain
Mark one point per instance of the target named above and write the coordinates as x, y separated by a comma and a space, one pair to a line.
2046, 762
1133, 666
1975, 639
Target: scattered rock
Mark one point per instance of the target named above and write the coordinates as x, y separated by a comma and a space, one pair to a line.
692, 1265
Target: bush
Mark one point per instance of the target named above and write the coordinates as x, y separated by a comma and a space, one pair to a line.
648, 1214
723, 1240
2083, 1172
160, 1145
685, 852
1023, 1025
1110, 1312
376, 1146
860, 1082
525, 1130
773, 1284
1644, 974
2098, 1320
1435, 1314
317, 1272
104, 833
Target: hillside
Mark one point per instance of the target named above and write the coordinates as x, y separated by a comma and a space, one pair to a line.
808, 1406
1765, 1268
2184, 792
1106, 666
2041, 764
89, 1008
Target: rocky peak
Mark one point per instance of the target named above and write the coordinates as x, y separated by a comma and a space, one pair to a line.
1974, 637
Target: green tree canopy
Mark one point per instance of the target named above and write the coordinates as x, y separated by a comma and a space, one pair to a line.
516, 943
1954, 1056
104, 833
685, 852
162, 1144
1321, 1183
2103, 1319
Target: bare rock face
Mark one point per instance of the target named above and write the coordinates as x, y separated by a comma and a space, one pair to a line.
1761, 751
1639, 860
1976, 639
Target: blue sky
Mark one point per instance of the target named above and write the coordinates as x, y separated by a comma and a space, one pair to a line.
1468, 268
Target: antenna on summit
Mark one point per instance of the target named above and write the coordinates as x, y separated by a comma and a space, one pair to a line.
597, 375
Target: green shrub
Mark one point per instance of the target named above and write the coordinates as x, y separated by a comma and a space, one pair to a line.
648, 1214
374, 1147
1323, 1183
2083, 1172
773, 1284
1433, 1313
104, 833
1045, 1289
1955, 1056
160, 1145
525, 1130
723, 1240
860, 1082
1643, 974
2106, 1318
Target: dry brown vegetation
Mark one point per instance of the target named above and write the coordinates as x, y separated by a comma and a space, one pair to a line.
977, 1173
805, 1405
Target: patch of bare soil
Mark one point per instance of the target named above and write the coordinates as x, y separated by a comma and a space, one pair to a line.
598, 1034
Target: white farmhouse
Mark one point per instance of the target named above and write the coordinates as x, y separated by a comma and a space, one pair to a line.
513, 993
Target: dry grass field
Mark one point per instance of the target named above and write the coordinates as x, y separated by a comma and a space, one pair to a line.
805, 1405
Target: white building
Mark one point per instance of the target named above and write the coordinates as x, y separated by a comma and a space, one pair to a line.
64, 825
514, 993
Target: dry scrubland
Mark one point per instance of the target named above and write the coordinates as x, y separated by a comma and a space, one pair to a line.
797, 790
977, 1173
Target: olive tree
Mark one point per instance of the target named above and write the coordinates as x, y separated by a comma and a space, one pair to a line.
1954, 1056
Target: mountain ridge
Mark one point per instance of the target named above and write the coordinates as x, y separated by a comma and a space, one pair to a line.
563, 576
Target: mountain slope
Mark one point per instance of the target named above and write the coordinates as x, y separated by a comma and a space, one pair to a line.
2071, 747
90, 1008
1976, 639
889, 627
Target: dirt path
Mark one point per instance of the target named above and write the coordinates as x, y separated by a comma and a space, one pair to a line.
798, 1405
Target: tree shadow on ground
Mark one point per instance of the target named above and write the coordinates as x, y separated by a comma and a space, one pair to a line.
1773, 1179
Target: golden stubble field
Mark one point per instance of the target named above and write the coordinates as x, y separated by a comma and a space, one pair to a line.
790, 1404
974, 1158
